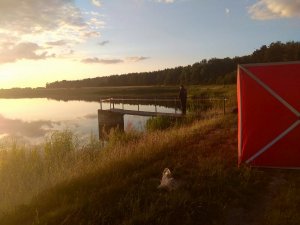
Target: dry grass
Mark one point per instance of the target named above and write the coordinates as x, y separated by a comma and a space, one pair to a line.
25, 170
118, 184
66, 181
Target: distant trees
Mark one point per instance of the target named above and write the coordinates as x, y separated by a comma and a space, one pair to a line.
277, 51
212, 71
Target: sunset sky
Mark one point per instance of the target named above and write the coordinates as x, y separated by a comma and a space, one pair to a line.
47, 40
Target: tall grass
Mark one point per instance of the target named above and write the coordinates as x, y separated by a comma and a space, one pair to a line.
27, 170
68, 181
160, 123
116, 184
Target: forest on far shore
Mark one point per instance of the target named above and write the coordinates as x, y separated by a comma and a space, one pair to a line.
212, 71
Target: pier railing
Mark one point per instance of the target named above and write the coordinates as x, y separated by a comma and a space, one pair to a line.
196, 102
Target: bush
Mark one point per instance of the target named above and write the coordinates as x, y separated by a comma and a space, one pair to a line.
119, 137
160, 123
60, 144
26, 170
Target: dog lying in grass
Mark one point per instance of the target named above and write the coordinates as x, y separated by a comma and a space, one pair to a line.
167, 181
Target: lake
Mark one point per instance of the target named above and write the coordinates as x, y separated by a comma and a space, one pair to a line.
33, 119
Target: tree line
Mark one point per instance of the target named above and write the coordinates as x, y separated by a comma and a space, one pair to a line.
212, 71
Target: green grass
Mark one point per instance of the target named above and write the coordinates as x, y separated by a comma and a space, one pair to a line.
93, 94
90, 94
69, 181
118, 184
283, 203
161, 123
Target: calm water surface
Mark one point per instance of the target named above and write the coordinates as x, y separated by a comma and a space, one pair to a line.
33, 119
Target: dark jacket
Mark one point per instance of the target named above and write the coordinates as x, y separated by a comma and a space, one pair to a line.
183, 94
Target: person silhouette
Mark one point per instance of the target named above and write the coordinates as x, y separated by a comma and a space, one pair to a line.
183, 98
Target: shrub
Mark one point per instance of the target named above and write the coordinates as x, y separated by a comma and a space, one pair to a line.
160, 123
60, 144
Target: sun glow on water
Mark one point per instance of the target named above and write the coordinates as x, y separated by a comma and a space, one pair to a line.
34, 118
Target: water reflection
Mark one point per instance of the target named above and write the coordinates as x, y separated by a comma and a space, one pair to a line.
33, 119
25, 128
135, 122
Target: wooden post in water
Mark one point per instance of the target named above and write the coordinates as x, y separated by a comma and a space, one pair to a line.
224, 105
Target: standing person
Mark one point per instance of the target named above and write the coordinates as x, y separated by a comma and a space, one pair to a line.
183, 99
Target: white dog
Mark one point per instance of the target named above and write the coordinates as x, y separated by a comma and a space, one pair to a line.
167, 181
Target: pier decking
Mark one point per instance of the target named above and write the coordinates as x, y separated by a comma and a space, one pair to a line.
111, 114
143, 113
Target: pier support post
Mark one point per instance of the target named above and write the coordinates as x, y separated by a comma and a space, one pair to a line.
108, 120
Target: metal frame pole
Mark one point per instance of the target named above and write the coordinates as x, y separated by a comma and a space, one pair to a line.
224, 105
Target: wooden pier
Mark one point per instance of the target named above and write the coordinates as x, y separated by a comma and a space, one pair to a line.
144, 113
113, 116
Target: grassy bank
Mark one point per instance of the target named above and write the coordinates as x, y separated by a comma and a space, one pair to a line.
66, 181
118, 184
88, 94
93, 94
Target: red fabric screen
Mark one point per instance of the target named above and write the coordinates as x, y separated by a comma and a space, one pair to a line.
269, 114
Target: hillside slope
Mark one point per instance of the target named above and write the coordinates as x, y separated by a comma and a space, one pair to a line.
202, 157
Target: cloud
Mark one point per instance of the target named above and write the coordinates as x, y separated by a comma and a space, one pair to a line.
28, 129
35, 16
57, 43
274, 9
10, 52
96, 3
227, 11
95, 23
46, 22
165, 1
102, 61
102, 43
136, 58
114, 61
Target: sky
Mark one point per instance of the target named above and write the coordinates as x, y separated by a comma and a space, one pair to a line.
42, 41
